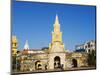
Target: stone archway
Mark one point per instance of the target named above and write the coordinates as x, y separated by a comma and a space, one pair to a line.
57, 62
38, 65
74, 62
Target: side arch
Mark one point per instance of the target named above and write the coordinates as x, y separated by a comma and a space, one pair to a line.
74, 62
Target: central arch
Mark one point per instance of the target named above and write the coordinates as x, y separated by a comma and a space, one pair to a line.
57, 62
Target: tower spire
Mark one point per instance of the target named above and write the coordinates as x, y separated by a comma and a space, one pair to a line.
56, 43
56, 34
56, 20
56, 24
26, 46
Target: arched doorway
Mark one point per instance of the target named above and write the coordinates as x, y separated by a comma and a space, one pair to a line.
57, 63
38, 65
74, 62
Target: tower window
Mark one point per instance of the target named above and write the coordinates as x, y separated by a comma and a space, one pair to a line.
91, 45
15, 44
12, 51
88, 44
85, 46
89, 50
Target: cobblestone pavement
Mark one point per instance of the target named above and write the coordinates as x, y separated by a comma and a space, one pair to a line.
57, 70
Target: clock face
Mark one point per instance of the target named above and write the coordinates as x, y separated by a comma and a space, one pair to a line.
56, 36
57, 47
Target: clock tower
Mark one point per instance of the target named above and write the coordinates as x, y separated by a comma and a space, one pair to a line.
56, 56
56, 45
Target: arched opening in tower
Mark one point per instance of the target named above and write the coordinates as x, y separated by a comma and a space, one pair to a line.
74, 62
57, 63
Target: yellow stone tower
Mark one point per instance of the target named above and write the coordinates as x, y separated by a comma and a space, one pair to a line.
56, 48
14, 45
56, 38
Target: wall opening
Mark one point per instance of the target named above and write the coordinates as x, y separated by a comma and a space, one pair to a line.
74, 62
38, 65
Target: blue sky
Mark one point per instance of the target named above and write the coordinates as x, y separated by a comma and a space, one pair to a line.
34, 21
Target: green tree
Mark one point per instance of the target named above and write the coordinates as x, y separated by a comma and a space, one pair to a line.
92, 58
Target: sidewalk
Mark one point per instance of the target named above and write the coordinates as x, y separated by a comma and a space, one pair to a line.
58, 70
